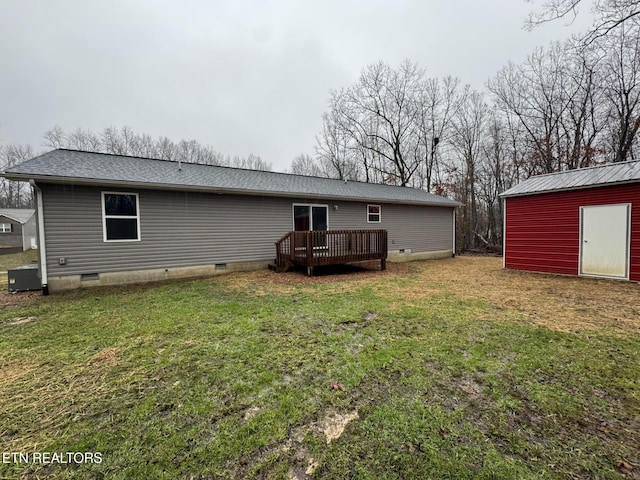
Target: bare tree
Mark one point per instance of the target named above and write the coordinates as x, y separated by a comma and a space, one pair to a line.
125, 141
498, 171
582, 122
15, 194
111, 142
377, 120
609, 15
552, 96
146, 147
55, 138
83, 140
527, 96
165, 149
306, 165
468, 136
438, 103
337, 154
252, 162
386, 128
620, 83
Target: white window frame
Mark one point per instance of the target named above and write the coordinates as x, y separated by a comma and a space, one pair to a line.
127, 217
3, 227
379, 214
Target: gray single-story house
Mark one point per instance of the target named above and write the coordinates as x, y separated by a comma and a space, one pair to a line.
111, 219
18, 228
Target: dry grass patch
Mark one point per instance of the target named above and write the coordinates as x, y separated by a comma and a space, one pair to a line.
333, 279
21, 320
562, 303
107, 356
44, 397
13, 372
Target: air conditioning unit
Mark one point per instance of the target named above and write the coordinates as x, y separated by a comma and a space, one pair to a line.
24, 278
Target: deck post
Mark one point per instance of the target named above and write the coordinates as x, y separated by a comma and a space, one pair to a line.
310, 271
309, 248
383, 264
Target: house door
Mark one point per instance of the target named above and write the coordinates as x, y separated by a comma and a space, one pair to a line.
604, 241
310, 217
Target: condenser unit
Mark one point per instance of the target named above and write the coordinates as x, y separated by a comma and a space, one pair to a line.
24, 278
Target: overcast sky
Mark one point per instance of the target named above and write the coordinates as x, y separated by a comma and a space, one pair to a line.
241, 76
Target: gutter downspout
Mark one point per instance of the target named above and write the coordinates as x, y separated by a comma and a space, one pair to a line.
42, 249
454, 231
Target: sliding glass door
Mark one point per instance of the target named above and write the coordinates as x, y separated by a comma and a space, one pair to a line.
314, 218
310, 217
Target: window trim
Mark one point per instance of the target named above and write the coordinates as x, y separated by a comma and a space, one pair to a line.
128, 217
379, 214
3, 229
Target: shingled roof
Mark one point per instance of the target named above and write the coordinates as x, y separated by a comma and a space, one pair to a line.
20, 215
73, 166
608, 174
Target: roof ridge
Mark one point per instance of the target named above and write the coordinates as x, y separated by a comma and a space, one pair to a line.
101, 168
226, 167
599, 175
582, 169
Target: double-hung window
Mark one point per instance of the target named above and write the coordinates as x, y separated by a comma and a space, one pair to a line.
374, 214
120, 217
5, 228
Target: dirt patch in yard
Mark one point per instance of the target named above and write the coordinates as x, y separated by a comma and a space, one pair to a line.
303, 464
333, 426
14, 299
342, 277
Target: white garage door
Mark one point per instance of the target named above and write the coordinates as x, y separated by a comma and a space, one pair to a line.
604, 241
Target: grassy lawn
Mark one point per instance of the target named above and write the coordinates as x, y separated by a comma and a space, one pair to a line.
17, 259
440, 369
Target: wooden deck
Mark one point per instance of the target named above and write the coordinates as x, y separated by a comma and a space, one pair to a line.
330, 247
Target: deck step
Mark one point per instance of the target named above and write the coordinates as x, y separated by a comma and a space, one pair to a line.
279, 268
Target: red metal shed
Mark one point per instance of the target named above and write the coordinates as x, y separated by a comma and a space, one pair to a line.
580, 222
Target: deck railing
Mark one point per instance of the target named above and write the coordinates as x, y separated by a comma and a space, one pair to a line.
328, 247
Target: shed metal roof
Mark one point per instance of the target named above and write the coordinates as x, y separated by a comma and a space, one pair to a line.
20, 215
75, 166
609, 174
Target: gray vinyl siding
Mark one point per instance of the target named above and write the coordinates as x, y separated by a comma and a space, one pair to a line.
419, 228
180, 229
177, 229
13, 239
